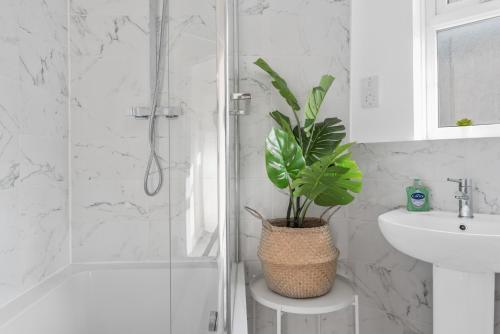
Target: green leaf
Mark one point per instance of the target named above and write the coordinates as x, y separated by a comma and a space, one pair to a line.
340, 191
464, 122
280, 84
326, 137
315, 101
331, 180
284, 158
283, 121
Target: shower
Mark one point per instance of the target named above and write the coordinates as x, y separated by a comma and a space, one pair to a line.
93, 253
158, 35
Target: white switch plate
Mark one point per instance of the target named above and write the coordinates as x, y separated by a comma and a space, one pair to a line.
370, 92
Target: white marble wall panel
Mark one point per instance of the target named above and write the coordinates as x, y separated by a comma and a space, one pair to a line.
34, 240
112, 218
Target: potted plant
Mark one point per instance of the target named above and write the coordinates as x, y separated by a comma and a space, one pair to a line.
307, 160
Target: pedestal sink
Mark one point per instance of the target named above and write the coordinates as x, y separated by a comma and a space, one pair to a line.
465, 254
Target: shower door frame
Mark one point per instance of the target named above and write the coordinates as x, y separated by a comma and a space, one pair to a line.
226, 19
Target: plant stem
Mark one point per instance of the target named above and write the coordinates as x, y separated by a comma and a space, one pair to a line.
306, 206
297, 214
289, 211
296, 209
292, 201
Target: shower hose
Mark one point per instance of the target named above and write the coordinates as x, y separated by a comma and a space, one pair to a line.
154, 159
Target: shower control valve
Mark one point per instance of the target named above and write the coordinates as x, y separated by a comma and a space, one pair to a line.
145, 112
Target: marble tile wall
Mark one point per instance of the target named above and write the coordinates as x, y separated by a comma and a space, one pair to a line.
113, 220
34, 240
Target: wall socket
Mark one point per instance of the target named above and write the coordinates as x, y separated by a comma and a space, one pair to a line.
370, 92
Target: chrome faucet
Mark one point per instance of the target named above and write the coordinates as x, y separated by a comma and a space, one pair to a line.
464, 196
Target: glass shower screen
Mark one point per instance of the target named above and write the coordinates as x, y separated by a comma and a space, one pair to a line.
201, 146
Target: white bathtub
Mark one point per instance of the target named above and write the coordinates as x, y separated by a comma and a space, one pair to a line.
117, 299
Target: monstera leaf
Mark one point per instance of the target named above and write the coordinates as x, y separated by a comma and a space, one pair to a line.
330, 180
326, 137
344, 184
315, 101
283, 121
284, 159
280, 84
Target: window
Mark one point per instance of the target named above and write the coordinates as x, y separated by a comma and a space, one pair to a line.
468, 67
444, 6
461, 68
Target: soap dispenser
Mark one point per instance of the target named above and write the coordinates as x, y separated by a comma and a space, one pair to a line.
417, 197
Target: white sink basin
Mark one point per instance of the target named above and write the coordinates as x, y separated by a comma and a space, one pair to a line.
437, 237
465, 254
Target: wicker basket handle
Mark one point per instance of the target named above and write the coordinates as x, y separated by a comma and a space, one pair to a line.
257, 215
335, 207
254, 213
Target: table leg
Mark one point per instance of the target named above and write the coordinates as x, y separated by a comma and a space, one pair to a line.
319, 324
254, 320
278, 321
356, 314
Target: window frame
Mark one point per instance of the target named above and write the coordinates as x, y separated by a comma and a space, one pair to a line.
437, 15
442, 6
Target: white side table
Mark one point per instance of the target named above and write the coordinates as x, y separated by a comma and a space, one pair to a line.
341, 296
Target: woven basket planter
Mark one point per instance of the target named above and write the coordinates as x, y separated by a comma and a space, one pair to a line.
298, 262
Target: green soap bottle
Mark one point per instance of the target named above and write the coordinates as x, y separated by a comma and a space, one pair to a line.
418, 197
